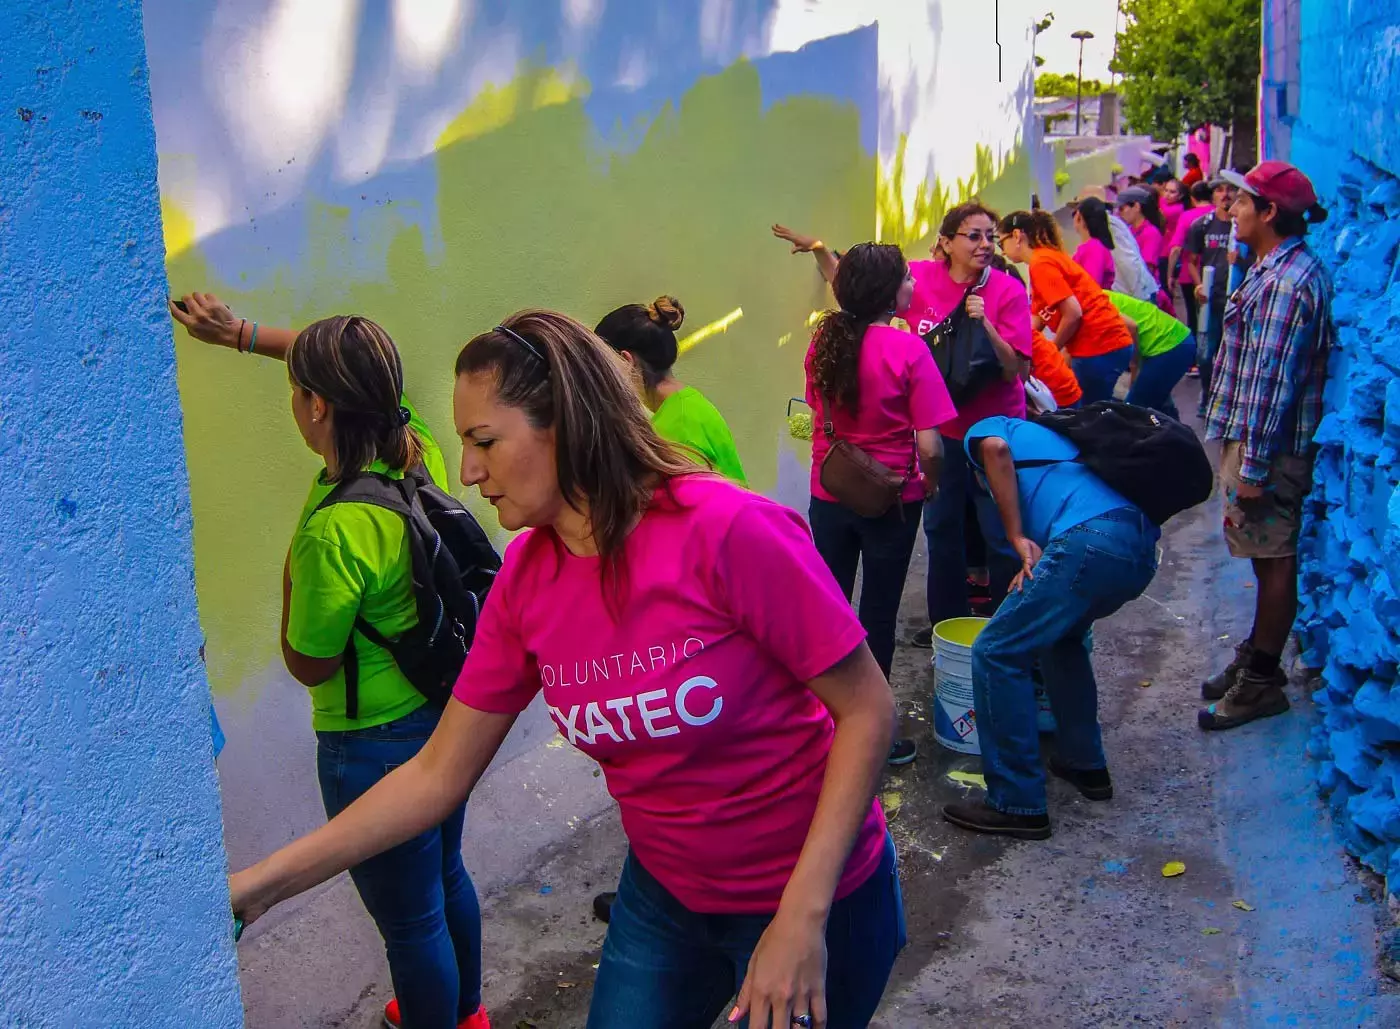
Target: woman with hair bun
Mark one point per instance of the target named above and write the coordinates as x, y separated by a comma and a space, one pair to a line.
645, 336
350, 561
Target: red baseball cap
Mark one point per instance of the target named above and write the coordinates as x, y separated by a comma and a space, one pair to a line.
1279, 183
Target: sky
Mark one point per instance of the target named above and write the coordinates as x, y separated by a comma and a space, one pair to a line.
1061, 53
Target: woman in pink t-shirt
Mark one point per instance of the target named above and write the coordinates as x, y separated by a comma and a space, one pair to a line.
960, 276
685, 633
1095, 252
1201, 206
1139, 208
881, 390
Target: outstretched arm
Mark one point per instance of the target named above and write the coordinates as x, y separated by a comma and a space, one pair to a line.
826, 259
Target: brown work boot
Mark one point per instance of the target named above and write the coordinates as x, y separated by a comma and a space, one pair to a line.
1218, 685
1252, 696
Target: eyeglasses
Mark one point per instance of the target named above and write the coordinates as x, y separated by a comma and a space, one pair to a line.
977, 236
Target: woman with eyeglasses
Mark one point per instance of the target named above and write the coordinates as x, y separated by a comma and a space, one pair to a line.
960, 276
351, 561
686, 634
1085, 324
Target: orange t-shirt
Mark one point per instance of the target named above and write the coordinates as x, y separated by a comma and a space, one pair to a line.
1055, 277
1048, 365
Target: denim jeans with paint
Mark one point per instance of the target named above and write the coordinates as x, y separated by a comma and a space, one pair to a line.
946, 588
1098, 375
418, 893
667, 967
1085, 574
882, 546
1157, 377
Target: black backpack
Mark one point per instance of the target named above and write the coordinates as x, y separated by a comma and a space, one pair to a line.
454, 565
1153, 461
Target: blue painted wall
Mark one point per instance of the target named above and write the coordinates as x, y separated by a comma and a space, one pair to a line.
115, 908
1347, 137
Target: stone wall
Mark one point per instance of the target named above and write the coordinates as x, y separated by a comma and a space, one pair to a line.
1347, 138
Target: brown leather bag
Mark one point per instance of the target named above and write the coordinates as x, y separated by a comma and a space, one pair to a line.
857, 480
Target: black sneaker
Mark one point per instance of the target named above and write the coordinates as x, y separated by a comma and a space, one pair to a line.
923, 639
1092, 783
602, 906
903, 752
981, 818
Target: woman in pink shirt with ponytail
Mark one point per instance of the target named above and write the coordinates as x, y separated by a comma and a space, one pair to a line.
686, 634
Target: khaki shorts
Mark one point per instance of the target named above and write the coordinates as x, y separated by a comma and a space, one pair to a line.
1266, 527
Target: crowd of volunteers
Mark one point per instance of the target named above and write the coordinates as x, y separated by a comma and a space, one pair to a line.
698, 640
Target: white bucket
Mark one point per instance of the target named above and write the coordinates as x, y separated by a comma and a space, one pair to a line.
954, 720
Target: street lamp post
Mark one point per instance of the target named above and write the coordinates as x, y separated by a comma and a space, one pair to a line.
1081, 35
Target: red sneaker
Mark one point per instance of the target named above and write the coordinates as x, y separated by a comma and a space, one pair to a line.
476, 1021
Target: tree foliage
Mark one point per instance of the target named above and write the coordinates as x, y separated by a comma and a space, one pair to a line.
1186, 63
1051, 83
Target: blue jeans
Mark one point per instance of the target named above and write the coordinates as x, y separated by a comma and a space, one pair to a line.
882, 546
418, 893
1085, 574
1157, 377
667, 967
1206, 349
1098, 375
946, 589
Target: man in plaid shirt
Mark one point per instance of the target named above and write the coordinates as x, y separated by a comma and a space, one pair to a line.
1265, 405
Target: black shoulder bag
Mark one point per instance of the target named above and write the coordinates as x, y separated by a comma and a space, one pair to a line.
963, 351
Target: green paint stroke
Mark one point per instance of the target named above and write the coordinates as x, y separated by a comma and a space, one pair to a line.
533, 214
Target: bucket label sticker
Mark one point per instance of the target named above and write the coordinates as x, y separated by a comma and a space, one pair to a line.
966, 725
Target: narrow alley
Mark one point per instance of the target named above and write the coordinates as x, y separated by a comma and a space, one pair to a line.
1269, 925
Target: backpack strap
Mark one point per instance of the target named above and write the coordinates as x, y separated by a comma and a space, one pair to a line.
393, 495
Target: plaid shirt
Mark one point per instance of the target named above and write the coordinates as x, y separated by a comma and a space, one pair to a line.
1266, 390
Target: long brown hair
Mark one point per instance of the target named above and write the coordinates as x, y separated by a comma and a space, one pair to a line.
608, 457
866, 285
351, 363
1040, 228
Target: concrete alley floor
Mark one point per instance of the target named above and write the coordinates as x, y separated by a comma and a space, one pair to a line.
1078, 931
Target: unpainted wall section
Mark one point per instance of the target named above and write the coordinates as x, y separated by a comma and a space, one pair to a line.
115, 905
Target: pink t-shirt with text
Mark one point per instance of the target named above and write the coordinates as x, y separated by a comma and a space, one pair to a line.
1008, 307
694, 699
1188, 218
901, 393
1097, 260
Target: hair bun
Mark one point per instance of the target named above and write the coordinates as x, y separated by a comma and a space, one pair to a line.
1315, 215
667, 312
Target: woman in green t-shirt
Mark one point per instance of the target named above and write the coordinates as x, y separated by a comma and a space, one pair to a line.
352, 560
646, 339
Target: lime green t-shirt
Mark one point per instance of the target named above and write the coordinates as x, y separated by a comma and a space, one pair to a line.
349, 560
1158, 331
687, 418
